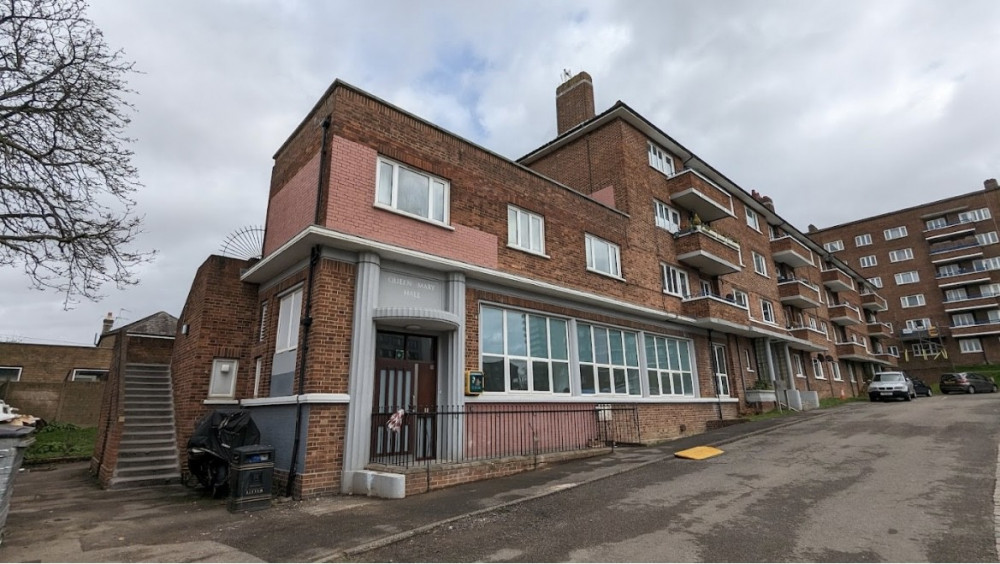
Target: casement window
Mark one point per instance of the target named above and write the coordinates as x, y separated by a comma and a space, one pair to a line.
834, 246
974, 215
660, 160
721, 372
981, 265
289, 314
835, 369
525, 230
910, 277
741, 298
263, 321
868, 261
963, 320
989, 290
759, 264
609, 360
937, 223
876, 281
970, 345
669, 366
989, 238
748, 360
916, 300
863, 240
675, 281
925, 349
88, 375
993, 316
10, 373
412, 192
900, 255
603, 256
523, 352
258, 364
797, 368
918, 324
817, 366
946, 270
752, 219
895, 233
667, 217
955, 295
767, 311
222, 384
894, 350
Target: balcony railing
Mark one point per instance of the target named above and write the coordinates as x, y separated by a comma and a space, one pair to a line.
453, 434
844, 314
692, 191
837, 280
798, 293
947, 248
790, 251
707, 250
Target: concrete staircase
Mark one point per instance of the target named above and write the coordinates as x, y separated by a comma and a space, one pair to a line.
147, 453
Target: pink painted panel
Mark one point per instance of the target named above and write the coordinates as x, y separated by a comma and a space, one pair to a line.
350, 209
605, 195
293, 208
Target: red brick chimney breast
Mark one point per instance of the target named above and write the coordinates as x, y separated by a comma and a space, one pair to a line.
574, 102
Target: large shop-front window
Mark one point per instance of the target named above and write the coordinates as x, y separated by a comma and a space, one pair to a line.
412, 192
523, 352
609, 360
668, 367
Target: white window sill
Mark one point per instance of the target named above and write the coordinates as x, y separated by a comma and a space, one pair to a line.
528, 251
606, 274
427, 220
217, 401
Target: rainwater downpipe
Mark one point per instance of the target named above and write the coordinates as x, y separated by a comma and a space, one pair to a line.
306, 322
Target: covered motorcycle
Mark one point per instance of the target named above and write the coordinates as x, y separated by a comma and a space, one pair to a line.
214, 438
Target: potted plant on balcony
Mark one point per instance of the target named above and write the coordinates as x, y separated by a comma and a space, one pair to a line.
761, 391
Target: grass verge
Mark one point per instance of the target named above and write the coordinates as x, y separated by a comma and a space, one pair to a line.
59, 441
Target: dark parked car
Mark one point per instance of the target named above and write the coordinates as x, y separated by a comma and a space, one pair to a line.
966, 382
920, 388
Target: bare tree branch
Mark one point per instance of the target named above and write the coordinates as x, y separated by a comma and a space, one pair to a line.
66, 176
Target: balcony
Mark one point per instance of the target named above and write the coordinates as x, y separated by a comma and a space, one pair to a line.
980, 302
989, 327
852, 351
837, 280
886, 359
708, 251
710, 310
810, 334
798, 293
951, 231
844, 314
790, 251
873, 302
692, 191
963, 277
922, 333
879, 329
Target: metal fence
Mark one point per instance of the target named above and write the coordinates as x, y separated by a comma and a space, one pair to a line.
442, 434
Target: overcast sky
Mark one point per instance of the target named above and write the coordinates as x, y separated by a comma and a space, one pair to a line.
836, 109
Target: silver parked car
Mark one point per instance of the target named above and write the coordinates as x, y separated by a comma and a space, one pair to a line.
891, 385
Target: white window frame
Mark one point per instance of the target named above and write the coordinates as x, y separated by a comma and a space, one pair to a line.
223, 368
797, 367
835, 370
721, 370
766, 311
913, 300
863, 240
753, 220
956, 294
974, 215
675, 281
258, 363
741, 298
876, 281
614, 256
90, 374
899, 255
748, 359
660, 160
868, 261
534, 241
390, 201
965, 319
936, 223
970, 345
989, 290
666, 217
908, 277
893, 350
759, 263
16, 378
621, 368
817, 366
895, 233
918, 324
531, 358
834, 246
988, 238
679, 376
289, 316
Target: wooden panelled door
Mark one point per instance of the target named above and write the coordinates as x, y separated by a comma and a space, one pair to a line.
406, 378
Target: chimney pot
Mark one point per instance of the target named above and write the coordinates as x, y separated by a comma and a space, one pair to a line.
991, 184
109, 320
574, 102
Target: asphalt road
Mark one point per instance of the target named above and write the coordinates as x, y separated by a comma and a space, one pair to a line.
871, 482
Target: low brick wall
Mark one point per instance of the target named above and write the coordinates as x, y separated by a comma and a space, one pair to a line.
78, 403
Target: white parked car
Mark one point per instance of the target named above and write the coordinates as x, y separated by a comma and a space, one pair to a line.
891, 385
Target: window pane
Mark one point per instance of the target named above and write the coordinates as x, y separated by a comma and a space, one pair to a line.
539, 337
518, 375
685, 351
678, 383
617, 352
661, 353
650, 352
654, 382
587, 379
540, 376
604, 379
536, 234
560, 377
619, 383
600, 345
586, 351
491, 330
437, 201
385, 183
688, 386
674, 357
511, 226
631, 350
557, 332
523, 230
517, 334
412, 194
633, 382
493, 380
602, 261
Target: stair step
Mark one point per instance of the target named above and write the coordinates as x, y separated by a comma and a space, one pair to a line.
128, 434
161, 479
141, 452
146, 469
135, 405
145, 462
149, 412
147, 443
147, 429
164, 419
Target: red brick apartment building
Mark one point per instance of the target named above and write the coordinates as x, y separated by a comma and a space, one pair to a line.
938, 265
608, 286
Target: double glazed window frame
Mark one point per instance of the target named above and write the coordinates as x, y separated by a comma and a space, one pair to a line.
660, 159
834, 246
863, 240
675, 281
899, 255
289, 315
666, 216
525, 230
603, 254
391, 195
536, 345
909, 277
10, 373
895, 233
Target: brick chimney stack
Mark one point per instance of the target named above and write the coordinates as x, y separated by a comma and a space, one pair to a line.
574, 102
991, 184
109, 320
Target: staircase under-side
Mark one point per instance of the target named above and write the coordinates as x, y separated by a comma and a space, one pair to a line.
147, 453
